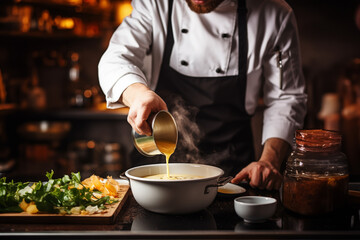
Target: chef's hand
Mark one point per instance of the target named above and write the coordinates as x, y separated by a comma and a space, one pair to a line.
265, 173
141, 101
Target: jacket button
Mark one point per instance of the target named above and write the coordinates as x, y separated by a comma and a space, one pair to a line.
225, 35
184, 63
219, 70
184, 30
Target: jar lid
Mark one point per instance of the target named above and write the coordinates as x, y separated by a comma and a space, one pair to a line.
318, 138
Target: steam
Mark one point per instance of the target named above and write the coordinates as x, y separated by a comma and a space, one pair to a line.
190, 135
189, 132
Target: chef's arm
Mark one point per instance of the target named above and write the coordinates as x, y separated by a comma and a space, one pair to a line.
122, 64
275, 151
121, 68
141, 101
284, 86
265, 173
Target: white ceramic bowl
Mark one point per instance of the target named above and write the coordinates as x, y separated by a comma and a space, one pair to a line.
255, 208
174, 196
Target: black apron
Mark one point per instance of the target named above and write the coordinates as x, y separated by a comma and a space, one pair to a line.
219, 104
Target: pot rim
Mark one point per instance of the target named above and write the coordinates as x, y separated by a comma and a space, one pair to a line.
132, 177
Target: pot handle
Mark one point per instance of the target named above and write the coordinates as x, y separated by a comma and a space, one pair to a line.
122, 176
221, 182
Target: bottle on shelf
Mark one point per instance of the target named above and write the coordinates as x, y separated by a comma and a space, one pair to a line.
76, 96
36, 95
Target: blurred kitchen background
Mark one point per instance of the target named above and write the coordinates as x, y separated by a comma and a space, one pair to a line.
52, 111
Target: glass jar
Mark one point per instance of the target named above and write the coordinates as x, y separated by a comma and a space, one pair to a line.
316, 175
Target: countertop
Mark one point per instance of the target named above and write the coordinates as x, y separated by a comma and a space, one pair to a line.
218, 221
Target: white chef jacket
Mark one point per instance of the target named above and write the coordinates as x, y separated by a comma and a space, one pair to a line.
136, 48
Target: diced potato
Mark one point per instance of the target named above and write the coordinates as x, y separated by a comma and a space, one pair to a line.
62, 211
87, 182
83, 212
75, 210
110, 189
24, 205
97, 183
94, 182
32, 209
114, 183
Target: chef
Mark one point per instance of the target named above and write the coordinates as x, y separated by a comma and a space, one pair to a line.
218, 56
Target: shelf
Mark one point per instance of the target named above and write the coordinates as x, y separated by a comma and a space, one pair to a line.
72, 6
85, 114
71, 114
6, 109
7, 106
55, 19
43, 35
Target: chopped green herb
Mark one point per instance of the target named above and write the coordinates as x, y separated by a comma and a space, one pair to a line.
55, 194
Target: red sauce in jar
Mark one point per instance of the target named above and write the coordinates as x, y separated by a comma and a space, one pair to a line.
315, 195
316, 175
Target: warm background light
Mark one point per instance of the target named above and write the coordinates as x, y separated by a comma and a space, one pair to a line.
123, 10
64, 23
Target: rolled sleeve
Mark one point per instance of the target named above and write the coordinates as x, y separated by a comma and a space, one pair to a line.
114, 93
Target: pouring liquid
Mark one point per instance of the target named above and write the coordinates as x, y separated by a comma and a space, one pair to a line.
166, 148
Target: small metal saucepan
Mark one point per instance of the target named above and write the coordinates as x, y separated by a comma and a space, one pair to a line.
175, 196
164, 129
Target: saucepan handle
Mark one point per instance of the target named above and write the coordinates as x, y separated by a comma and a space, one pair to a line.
221, 182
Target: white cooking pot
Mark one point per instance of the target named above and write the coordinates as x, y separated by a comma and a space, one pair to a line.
175, 196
